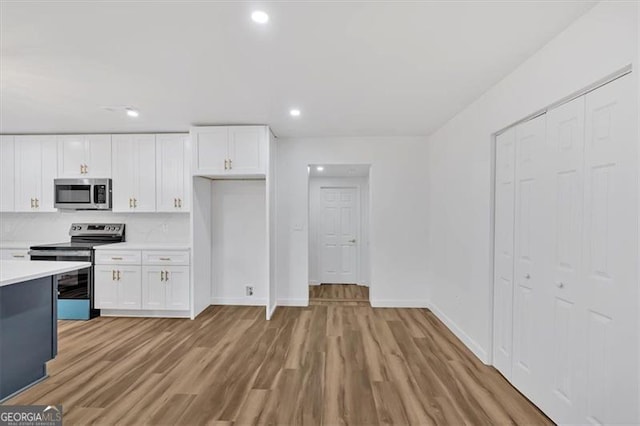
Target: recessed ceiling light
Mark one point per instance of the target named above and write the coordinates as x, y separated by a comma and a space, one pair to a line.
260, 17
295, 112
319, 168
132, 112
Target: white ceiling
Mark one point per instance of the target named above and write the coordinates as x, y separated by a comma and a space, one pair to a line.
353, 68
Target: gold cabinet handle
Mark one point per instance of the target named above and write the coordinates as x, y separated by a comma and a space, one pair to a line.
32, 203
118, 275
226, 164
230, 164
165, 258
135, 203
166, 275
37, 203
19, 256
130, 203
81, 169
161, 275
86, 169
175, 202
180, 202
116, 258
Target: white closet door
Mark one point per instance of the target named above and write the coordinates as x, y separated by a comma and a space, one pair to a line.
610, 247
529, 250
562, 311
503, 268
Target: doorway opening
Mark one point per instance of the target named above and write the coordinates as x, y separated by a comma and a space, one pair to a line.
339, 267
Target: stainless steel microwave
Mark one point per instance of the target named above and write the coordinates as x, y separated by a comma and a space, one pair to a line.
82, 194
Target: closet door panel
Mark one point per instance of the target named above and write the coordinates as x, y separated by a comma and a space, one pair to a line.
530, 211
610, 247
562, 305
503, 270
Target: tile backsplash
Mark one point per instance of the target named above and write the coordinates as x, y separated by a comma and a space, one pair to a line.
54, 227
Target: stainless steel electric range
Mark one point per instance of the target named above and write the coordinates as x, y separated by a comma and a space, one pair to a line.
76, 289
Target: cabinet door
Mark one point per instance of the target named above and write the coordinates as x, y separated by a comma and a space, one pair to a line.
35, 169
153, 287
246, 149
172, 170
72, 155
177, 288
133, 166
106, 287
98, 156
7, 170
28, 172
129, 287
210, 149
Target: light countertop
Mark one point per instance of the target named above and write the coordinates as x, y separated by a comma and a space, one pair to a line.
17, 271
144, 246
23, 245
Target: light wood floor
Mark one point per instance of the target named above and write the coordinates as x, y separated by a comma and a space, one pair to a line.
343, 294
319, 365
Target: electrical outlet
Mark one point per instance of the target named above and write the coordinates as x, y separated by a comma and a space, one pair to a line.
249, 290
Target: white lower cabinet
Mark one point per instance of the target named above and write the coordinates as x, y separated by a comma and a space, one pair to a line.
118, 287
151, 280
165, 287
14, 254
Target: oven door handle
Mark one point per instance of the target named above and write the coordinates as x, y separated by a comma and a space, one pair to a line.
60, 253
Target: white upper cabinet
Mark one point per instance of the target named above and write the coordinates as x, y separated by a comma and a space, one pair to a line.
134, 173
230, 150
84, 156
7, 170
35, 170
173, 173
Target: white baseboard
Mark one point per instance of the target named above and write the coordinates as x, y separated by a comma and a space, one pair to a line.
314, 282
399, 303
143, 314
473, 346
270, 311
293, 302
239, 301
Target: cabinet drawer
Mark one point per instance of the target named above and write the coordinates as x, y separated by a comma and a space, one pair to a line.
108, 257
152, 257
14, 254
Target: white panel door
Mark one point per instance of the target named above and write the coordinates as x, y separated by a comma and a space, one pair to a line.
7, 170
129, 286
172, 169
210, 151
340, 221
246, 149
72, 155
529, 250
610, 247
154, 293
106, 287
503, 258
177, 287
562, 316
98, 156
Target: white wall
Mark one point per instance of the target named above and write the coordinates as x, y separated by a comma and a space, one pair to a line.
398, 215
54, 227
239, 251
459, 158
315, 185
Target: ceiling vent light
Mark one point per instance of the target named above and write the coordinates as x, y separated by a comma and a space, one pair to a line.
319, 168
132, 112
295, 113
260, 17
